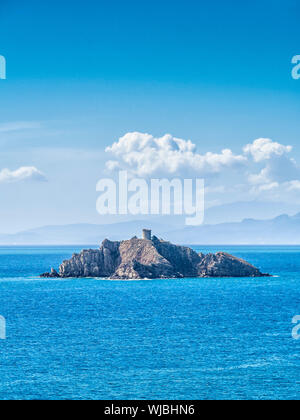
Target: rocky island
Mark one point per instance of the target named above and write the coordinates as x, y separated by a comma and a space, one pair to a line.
151, 258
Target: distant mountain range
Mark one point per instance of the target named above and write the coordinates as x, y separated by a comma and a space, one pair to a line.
281, 230
81, 233
240, 210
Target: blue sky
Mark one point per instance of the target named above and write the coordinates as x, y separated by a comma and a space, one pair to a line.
80, 76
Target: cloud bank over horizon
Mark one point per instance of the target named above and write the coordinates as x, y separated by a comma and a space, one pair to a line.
145, 155
263, 168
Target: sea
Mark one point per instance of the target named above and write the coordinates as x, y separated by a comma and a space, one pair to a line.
188, 339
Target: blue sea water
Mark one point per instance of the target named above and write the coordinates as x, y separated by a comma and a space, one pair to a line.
163, 339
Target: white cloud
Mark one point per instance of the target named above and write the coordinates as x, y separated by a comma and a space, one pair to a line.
261, 178
264, 149
279, 167
285, 192
268, 186
112, 165
144, 155
293, 185
264, 169
24, 173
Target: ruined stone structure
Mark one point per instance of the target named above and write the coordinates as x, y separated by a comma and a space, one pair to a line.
147, 234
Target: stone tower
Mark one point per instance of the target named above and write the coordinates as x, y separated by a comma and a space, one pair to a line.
147, 234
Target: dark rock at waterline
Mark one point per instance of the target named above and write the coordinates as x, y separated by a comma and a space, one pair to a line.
53, 274
153, 259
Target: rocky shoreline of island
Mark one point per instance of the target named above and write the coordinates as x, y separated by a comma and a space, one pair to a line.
151, 258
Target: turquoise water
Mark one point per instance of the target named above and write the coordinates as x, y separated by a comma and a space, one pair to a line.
163, 339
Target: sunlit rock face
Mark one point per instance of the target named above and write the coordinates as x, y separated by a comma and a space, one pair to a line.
151, 258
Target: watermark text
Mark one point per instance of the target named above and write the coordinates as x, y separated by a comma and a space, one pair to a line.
296, 329
296, 68
2, 328
2, 67
137, 196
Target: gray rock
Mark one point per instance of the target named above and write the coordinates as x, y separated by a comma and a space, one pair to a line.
225, 265
153, 259
53, 274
